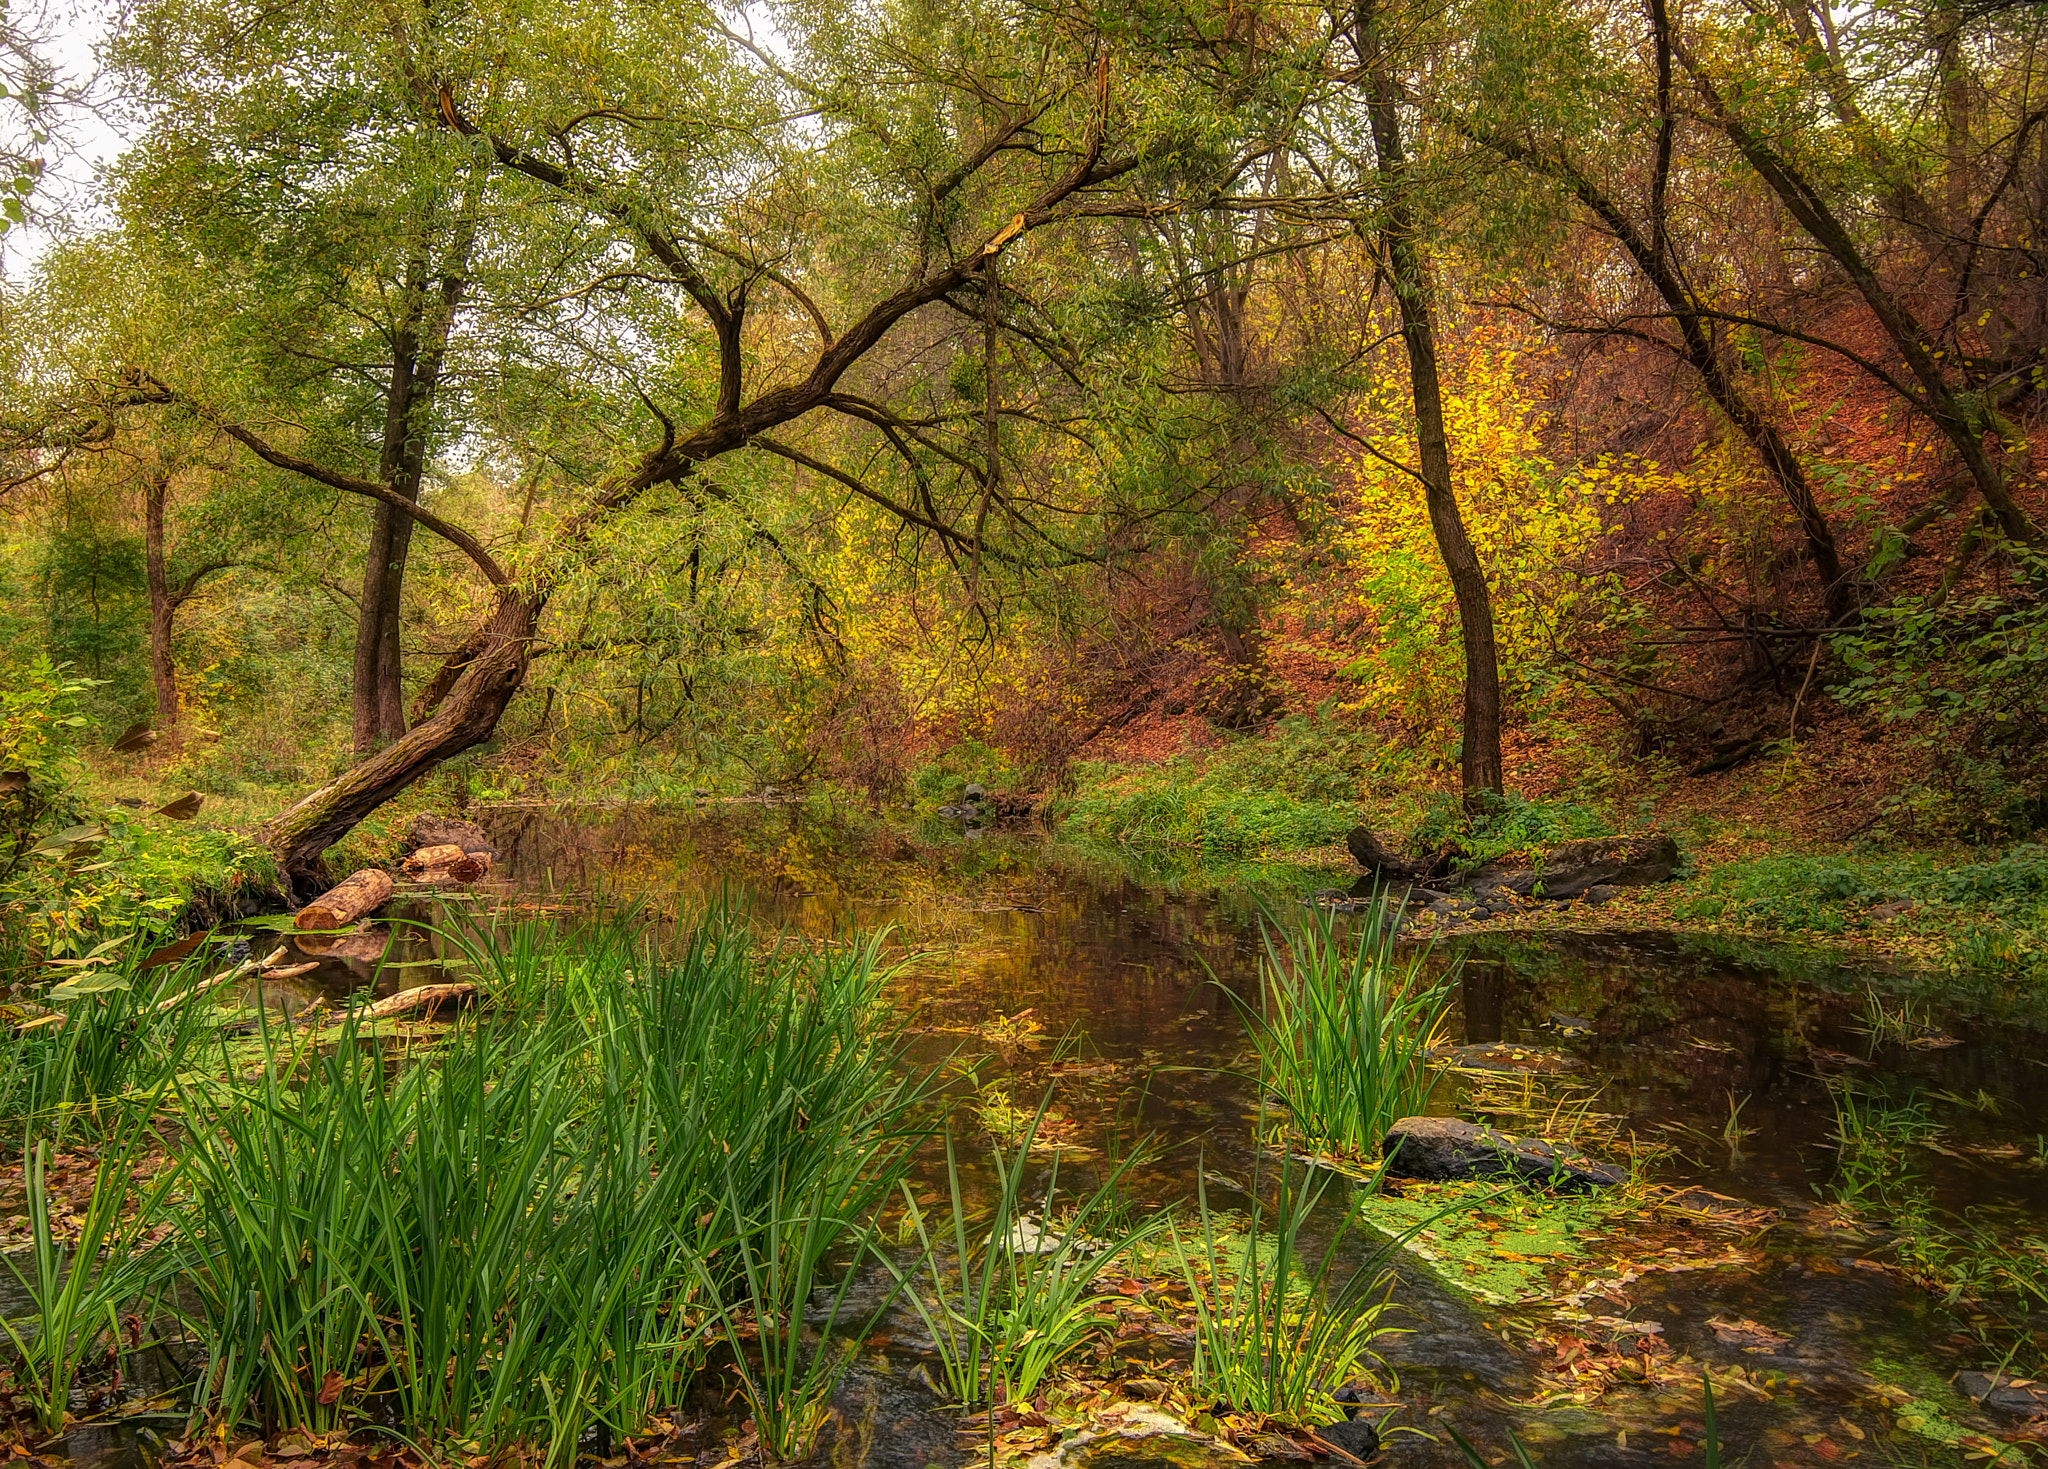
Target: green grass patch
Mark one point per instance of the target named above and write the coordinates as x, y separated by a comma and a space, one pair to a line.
1987, 914
1293, 788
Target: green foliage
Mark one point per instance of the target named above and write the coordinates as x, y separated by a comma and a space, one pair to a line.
1501, 1245
92, 588
1005, 1295
39, 724
521, 1239
1989, 914
1505, 825
1291, 789
108, 1029
1276, 1335
1345, 1030
1994, 1256
77, 1292
1968, 680
126, 872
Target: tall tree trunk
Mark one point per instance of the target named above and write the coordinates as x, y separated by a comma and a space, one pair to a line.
419, 347
163, 671
1480, 766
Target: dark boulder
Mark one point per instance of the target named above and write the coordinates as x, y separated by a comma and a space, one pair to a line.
1572, 870
1440, 1149
2004, 1394
429, 830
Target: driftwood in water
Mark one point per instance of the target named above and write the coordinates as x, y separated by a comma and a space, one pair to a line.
359, 893
428, 997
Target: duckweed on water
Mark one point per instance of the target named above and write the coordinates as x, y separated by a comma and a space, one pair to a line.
1500, 1246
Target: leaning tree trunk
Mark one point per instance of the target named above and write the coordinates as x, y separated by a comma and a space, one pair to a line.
467, 717
1480, 764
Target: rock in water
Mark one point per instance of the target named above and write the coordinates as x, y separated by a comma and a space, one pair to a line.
1444, 1148
1358, 1439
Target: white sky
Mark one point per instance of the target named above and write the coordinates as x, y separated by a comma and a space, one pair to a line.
93, 134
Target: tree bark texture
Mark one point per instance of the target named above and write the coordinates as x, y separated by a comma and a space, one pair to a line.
163, 670
1480, 762
419, 349
359, 894
467, 717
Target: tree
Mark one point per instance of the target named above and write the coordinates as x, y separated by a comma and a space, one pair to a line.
1561, 144
1776, 135
1408, 272
708, 212
336, 236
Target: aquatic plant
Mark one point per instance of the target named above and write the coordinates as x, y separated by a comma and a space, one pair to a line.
76, 1293
524, 1237
1344, 1033
1275, 1336
788, 1375
108, 1025
1006, 1297
1710, 1441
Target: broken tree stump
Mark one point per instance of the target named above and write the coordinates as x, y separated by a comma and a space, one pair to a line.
359, 893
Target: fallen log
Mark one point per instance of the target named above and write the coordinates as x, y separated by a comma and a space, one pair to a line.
359, 893
427, 997
427, 857
448, 863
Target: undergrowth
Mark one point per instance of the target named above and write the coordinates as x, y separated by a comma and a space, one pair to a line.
1291, 789
1990, 914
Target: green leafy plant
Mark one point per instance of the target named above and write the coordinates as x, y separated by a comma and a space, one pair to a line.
1344, 1031
1505, 824
77, 1292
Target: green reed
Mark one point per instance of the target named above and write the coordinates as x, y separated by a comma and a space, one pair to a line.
110, 1029
523, 1237
1275, 1335
1345, 1028
78, 1291
1006, 1295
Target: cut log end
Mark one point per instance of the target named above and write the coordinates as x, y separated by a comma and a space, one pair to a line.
356, 895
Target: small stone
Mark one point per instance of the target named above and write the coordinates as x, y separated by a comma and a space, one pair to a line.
1358, 1439
1273, 1446
1598, 893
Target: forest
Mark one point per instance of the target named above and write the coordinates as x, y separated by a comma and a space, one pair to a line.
1064, 731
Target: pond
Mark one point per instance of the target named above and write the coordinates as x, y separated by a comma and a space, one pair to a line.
1820, 1153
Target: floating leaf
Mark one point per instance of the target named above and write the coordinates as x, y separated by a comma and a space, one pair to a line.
184, 808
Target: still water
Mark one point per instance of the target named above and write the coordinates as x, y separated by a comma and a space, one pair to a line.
1038, 975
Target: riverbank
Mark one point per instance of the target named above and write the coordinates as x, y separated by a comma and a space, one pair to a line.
1769, 852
